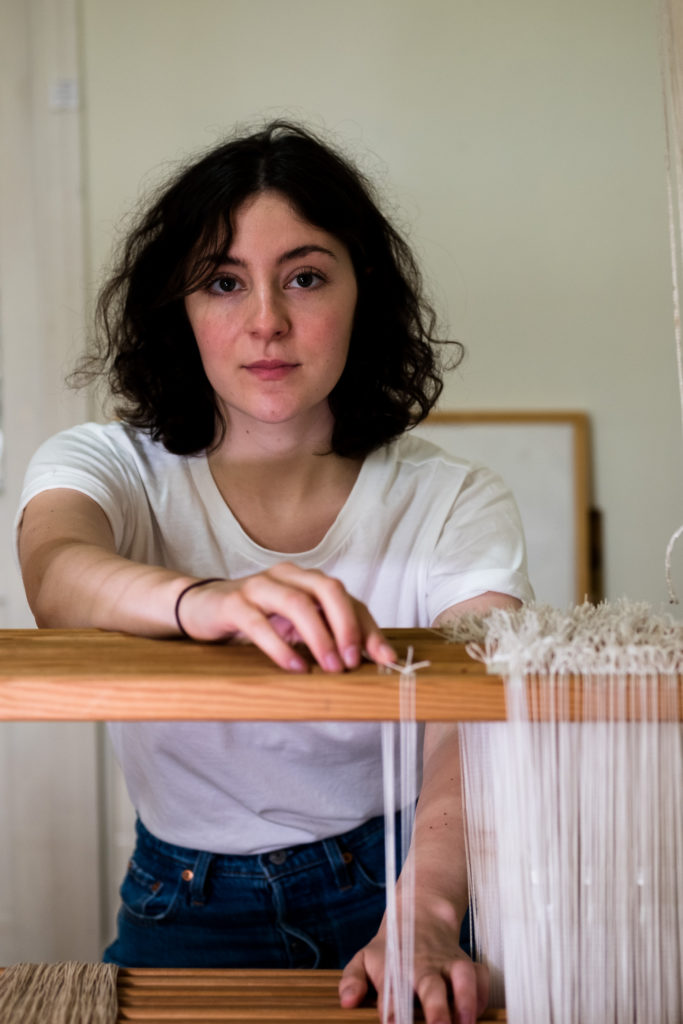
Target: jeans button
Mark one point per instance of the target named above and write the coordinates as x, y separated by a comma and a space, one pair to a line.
277, 856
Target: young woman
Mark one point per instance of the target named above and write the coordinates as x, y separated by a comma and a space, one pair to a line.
267, 341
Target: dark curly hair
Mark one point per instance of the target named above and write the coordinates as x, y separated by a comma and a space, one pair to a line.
145, 348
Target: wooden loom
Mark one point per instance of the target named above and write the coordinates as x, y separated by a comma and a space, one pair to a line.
87, 675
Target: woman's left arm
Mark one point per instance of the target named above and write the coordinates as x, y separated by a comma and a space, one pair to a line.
441, 896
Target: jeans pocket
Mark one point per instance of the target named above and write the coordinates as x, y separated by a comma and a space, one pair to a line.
367, 868
148, 897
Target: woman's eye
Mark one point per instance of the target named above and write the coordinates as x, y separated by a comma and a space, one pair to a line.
307, 279
224, 285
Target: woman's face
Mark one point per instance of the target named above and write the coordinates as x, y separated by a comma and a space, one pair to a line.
273, 326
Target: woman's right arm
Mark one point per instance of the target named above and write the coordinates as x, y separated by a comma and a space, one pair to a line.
74, 578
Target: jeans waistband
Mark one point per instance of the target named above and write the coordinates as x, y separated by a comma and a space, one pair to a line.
336, 850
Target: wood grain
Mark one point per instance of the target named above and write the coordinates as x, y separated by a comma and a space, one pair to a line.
170, 995
88, 675
256, 997
75, 675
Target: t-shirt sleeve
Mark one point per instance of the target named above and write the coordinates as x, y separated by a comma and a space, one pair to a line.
85, 459
481, 546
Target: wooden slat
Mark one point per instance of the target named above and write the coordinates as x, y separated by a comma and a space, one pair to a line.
75, 675
191, 995
87, 675
257, 997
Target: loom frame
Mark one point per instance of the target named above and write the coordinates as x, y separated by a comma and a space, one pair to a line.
90, 675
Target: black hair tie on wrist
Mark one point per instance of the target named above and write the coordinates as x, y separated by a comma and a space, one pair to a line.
181, 595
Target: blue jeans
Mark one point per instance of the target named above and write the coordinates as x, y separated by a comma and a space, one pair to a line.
307, 906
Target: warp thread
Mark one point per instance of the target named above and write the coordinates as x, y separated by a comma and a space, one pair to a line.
397, 998
671, 67
61, 993
575, 829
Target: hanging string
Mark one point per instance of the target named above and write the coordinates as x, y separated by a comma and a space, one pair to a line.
575, 829
397, 997
670, 44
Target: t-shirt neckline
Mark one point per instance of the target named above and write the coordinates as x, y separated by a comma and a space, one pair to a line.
347, 518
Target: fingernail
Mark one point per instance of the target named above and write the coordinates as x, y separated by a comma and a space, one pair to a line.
387, 653
347, 995
297, 665
332, 663
352, 656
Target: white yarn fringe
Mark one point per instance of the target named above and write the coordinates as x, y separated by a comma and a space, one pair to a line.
671, 66
575, 829
397, 998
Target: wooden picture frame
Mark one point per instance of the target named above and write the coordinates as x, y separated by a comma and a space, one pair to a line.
544, 457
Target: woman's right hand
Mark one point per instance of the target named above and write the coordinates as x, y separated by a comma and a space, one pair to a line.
75, 578
283, 606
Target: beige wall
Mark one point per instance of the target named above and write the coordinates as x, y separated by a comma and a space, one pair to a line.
49, 844
521, 142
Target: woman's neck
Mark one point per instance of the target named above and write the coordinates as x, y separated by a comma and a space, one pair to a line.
285, 491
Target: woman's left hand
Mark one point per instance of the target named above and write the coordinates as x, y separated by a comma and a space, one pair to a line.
451, 988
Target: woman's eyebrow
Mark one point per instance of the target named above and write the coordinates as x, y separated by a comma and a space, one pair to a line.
304, 250
291, 254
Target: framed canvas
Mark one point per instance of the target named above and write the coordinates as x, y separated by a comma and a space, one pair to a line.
544, 459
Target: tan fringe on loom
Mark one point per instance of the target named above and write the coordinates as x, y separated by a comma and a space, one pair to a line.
63, 993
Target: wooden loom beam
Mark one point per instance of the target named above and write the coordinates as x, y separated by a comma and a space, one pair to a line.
89, 675
248, 997
229, 996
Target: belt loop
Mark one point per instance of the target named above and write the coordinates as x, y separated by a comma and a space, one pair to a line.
197, 877
340, 861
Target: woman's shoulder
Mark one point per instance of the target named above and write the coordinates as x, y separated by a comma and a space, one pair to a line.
435, 476
111, 455
413, 455
112, 438
413, 449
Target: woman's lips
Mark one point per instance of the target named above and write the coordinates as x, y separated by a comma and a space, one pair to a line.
270, 369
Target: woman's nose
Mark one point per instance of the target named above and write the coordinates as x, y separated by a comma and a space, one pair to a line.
267, 316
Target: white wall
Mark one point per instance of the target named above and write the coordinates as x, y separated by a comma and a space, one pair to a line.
521, 143
49, 841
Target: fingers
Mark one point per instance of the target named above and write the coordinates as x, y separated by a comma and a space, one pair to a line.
252, 624
335, 627
328, 620
353, 984
378, 649
436, 979
468, 982
470, 986
432, 992
285, 604
483, 987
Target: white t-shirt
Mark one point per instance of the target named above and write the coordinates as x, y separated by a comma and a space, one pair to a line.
421, 530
